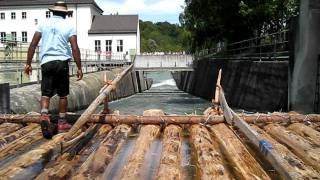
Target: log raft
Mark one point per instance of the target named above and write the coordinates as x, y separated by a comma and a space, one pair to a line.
207, 137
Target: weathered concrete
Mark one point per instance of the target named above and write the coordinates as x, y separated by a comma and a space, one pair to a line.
82, 93
256, 86
307, 50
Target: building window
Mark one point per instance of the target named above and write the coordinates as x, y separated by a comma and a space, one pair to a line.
13, 15
24, 15
36, 21
97, 45
24, 36
13, 36
108, 45
3, 16
48, 14
70, 15
3, 36
119, 45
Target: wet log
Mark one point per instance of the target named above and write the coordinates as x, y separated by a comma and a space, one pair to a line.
245, 165
111, 144
291, 165
309, 153
170, 162
84, 171
21, 143
172, 119
209, 159
306, 132
38, 157
147, 135
7, 128
104, 92
62, 168
17, 134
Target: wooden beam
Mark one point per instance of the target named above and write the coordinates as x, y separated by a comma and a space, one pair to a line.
290, 163
171, 119
306, 132
170, 162
245, 165
104, 92
209, 159
309, 153
147, 135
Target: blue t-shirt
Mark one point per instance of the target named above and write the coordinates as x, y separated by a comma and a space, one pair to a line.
55, 34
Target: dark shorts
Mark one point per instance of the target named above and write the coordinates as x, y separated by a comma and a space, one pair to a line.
55, 78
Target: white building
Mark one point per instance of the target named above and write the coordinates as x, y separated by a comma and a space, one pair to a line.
115, 33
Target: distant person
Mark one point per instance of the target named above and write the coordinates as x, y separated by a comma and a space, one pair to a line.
55, 56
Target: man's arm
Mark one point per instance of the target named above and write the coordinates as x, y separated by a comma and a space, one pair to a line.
76, 55
31, 50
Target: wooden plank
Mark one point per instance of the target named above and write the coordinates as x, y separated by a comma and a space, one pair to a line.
309, 153
209, 159
245, 165
111, 144
170, 162
17, 134
295, 167
7, 128
147, 135
306, 132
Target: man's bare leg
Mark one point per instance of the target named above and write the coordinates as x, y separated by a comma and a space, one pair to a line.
45, 102
63, 125
46, 126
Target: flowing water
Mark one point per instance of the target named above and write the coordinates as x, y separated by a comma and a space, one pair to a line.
164, 95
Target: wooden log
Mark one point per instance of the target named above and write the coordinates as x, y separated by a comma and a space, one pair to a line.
63, 167
290, 163
105, 91
83, 171
147, 135
170, 162
209, 159
245, 165
102, 156
38, 157
306, 132
7, 128
17, 134
21, 143
309, 153
172, 119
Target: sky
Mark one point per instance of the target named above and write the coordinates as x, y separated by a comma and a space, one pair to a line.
148, 10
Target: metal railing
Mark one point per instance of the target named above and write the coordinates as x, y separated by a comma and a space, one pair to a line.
269, 47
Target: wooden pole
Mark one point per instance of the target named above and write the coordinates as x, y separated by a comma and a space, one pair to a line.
167, 119
301, 147
90, 110
291, 165
246, 166
306, 132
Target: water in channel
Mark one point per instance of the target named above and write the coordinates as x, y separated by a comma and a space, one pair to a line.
164, 95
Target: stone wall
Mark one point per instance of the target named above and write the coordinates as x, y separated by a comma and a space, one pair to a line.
82, 93
253, 86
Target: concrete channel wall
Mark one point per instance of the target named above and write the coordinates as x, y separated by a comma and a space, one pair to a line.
253, 86
82, 93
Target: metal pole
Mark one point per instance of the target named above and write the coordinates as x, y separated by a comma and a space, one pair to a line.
4, 98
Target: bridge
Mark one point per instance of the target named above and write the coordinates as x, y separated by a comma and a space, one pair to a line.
164, 63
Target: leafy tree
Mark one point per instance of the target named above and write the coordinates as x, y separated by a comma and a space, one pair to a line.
211, 21
163, 37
